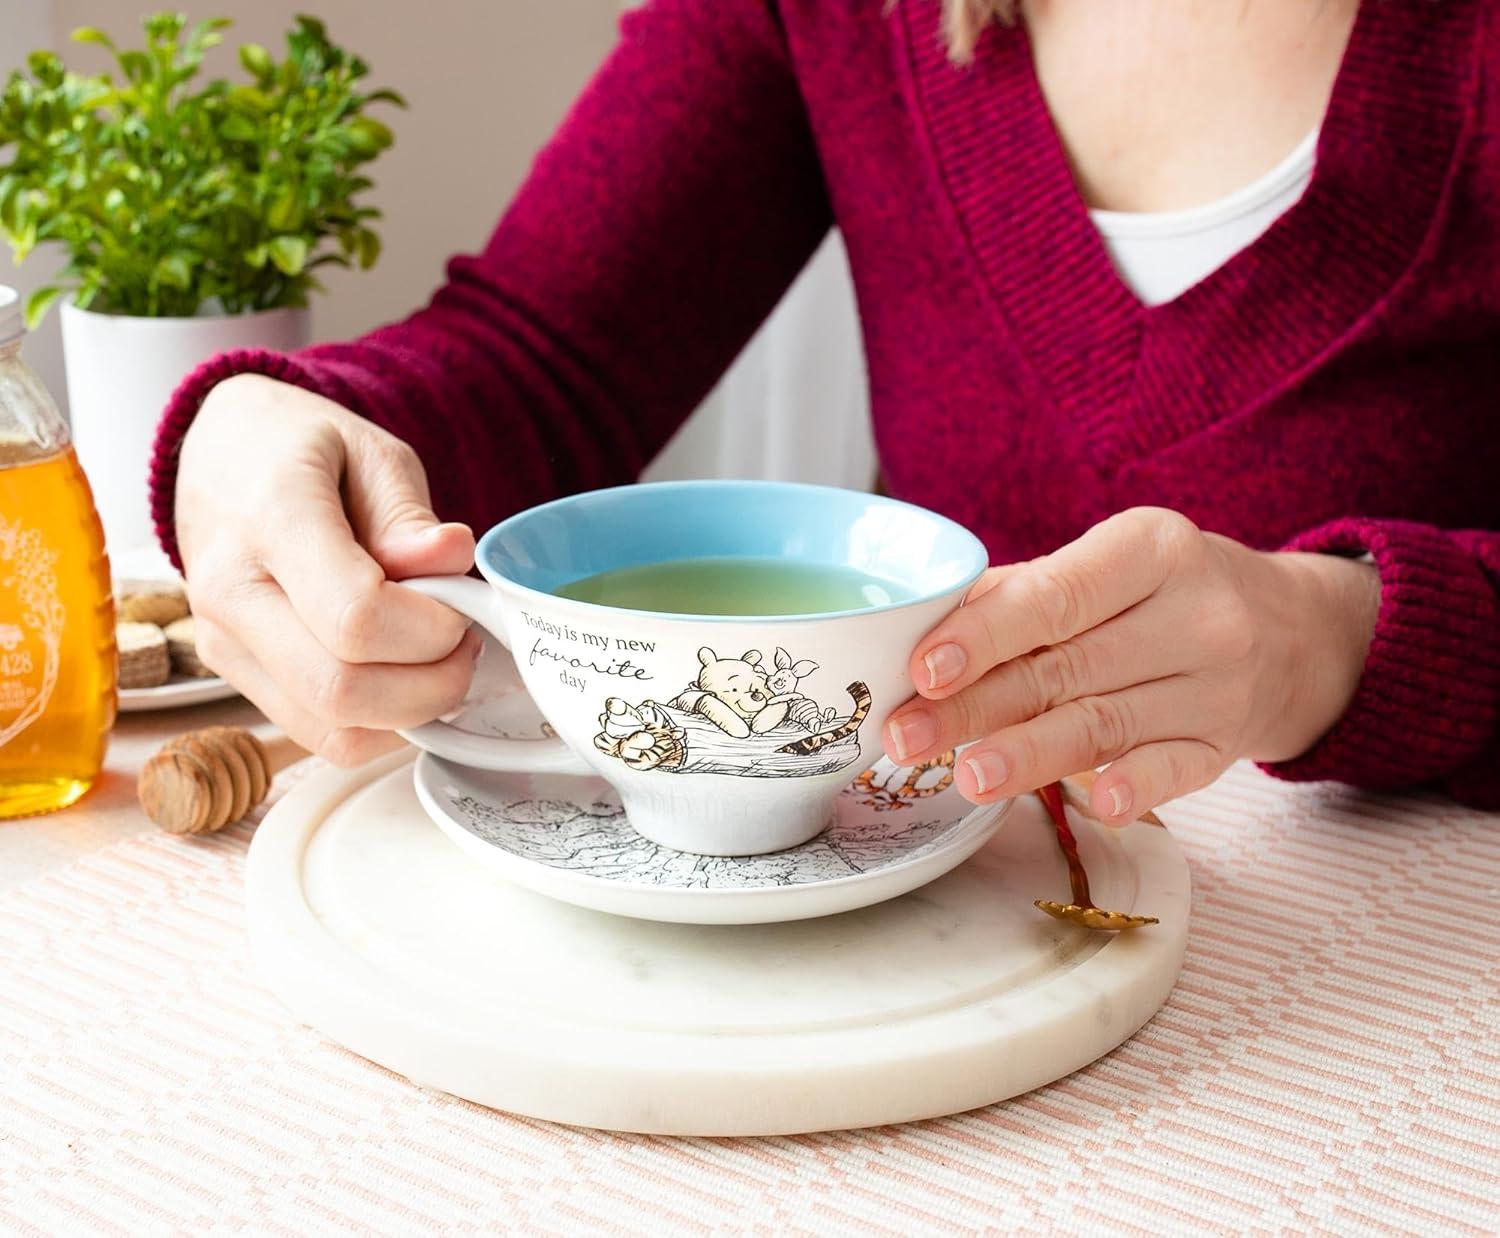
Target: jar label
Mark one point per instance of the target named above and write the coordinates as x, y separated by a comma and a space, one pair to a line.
31, 627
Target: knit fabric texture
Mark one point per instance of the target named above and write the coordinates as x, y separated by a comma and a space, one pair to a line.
1332, 387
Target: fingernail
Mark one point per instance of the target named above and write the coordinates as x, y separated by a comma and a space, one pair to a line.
988, 769
911, 733
1119, 800
945, 664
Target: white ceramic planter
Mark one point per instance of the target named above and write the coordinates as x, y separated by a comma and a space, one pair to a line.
121, 372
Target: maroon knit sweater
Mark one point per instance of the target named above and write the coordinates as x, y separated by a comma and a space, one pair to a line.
1333, 387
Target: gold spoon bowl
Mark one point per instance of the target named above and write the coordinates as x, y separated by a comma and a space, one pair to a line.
1082, 910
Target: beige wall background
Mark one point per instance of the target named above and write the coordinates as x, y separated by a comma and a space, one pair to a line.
487, 81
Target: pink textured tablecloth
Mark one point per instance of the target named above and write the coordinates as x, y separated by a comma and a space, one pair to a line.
1330, 1061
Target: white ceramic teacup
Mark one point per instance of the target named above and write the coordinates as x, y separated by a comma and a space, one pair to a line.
678, 711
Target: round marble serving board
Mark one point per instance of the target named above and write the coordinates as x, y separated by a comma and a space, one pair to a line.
377, 930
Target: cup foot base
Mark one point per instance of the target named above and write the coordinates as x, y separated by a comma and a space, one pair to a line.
735, 839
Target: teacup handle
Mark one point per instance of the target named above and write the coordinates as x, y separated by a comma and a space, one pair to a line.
476, 600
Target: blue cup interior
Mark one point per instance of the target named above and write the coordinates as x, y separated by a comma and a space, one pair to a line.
557, 543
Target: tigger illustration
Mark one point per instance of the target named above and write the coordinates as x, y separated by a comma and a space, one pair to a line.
821, 740
917, 785
640, 735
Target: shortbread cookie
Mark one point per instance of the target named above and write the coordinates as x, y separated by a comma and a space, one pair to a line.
150, 601
181, 644
144, 661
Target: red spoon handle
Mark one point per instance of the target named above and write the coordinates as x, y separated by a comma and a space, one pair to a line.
1052, 797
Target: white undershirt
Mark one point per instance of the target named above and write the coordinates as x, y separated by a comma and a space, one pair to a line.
1161, 254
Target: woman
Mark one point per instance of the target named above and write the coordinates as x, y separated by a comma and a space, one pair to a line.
1274, 489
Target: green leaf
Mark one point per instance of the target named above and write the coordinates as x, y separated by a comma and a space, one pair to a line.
206, 33
289, 254
11, 184
46, 67
92, 34
368, 136
313, 27
284, 211
250, 99
137, 66
22, 239
386, 96
239, 128
175, 271
164, 27
39, 302
369, 248
257, 60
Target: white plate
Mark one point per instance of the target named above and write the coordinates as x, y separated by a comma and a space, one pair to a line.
175, 693
566, 836
149, 563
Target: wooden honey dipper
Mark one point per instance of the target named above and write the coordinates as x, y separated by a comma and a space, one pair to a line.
207, 779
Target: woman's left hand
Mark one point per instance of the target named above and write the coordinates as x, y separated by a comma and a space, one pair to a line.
1147, 644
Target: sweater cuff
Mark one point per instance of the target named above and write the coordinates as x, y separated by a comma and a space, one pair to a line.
184, 406
1429, 696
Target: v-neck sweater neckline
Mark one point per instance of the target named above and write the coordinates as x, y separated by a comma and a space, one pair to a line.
1134, 379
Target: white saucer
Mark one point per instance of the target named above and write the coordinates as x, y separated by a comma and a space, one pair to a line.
566, 836
175, 693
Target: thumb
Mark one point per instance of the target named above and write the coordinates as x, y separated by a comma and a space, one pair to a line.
390, 511
438, 550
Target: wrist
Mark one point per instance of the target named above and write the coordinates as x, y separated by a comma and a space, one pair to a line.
1328, 608
226, 401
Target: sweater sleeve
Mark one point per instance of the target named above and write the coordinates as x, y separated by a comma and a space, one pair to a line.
654, 233
1427, 709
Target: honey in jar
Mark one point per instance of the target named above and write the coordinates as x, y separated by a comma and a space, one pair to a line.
57, 649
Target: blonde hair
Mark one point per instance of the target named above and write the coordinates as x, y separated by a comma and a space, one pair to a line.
964, 21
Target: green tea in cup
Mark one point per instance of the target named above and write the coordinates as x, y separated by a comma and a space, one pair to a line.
736, 586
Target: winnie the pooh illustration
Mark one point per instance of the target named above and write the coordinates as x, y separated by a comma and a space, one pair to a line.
734, 694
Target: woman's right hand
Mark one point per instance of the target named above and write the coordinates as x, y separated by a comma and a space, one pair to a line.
295, 518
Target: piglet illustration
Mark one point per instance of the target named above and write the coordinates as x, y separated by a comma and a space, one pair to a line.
783, 683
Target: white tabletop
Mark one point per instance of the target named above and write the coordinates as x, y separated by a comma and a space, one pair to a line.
1327, 1062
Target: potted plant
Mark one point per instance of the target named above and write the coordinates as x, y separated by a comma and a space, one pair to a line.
194, 215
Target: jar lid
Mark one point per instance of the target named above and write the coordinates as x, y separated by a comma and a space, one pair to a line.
11, 326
